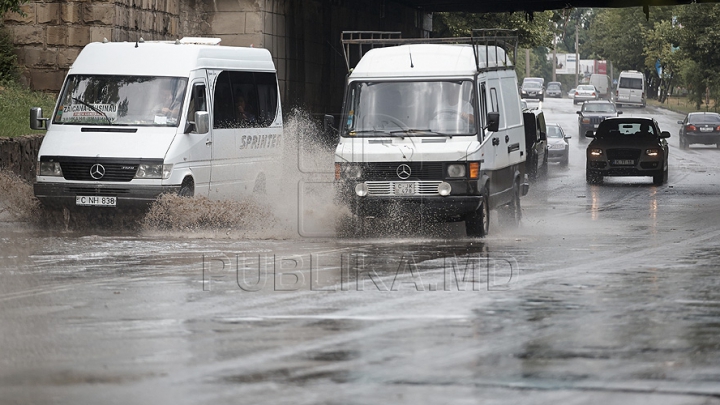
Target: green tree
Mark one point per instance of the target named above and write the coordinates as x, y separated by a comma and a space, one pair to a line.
658, 48
10, 5
533, 29
699, 41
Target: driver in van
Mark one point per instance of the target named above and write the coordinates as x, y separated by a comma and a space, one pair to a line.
167, 105
453, 100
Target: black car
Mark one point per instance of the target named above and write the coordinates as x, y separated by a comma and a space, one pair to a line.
554, 89
627, 147
532, 89
592, 113
700, 127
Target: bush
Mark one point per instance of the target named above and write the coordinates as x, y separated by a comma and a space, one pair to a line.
8, 60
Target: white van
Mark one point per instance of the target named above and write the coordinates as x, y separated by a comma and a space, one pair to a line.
630, 88
433, 128
138, 119
603, 84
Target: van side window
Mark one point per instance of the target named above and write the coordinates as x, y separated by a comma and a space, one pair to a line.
197, 103
483, 107
245, 99
494, 100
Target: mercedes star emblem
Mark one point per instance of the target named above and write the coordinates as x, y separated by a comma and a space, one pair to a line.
403, 171
97, 171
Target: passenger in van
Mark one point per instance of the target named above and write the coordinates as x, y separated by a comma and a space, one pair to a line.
245, 116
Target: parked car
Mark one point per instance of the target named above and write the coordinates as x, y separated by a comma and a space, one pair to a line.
627, 147
585, 92
554, 89
558, 147
571, 92
535, 143
700, 127
593, 113
532, 89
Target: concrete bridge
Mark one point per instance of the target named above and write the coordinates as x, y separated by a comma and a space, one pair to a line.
302, 35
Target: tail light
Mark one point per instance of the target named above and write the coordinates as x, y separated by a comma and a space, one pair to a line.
717, 128
691, 128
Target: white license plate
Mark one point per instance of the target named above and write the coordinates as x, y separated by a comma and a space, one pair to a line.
596, 125
624, 162
706, 129
404, 188
95, 201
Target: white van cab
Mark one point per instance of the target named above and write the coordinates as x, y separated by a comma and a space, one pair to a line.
630, 88
138, 119
434, 128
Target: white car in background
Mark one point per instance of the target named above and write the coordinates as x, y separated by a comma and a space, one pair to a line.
585, 92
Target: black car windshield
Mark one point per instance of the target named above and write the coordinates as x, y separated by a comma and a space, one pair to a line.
623, 129
553, 87
704, 118
121, 100
532, 85
598, 107
410, 108
554, 132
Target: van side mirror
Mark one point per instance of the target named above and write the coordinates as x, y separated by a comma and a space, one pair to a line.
543, 136
493, 120
202, 122
619, 112
36, 119
329, 124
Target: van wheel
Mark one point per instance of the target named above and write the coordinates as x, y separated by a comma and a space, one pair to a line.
512, 212
477, 224
187, 189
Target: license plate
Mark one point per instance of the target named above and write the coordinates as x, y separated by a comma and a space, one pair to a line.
595, 126
95, 201
624, 162
404, 188
706, 129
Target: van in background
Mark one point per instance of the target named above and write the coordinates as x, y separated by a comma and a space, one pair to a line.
603, 84
631, 88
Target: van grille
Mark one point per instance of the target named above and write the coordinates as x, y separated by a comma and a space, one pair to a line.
79, 168
389, 170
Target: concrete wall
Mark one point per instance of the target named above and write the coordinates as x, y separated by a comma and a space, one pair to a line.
302, 35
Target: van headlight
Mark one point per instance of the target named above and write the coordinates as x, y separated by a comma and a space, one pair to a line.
351, 171
153, 171
49, 169
456, 170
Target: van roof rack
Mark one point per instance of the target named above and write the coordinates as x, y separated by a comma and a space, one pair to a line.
366, 40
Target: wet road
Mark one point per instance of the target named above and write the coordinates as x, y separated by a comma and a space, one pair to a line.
604, 294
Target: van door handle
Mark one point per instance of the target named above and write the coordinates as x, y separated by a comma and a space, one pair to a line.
507, 138
496, 141
208, 143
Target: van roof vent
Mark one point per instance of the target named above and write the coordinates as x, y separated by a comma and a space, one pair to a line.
200, 41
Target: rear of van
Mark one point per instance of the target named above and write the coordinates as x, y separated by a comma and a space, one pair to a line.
631, 88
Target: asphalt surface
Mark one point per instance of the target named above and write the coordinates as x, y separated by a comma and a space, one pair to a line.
604, 294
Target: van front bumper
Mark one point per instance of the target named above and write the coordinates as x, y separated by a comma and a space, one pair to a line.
128, 197
450, 208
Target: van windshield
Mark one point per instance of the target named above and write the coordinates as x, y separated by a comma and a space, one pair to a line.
121, 100
426, 108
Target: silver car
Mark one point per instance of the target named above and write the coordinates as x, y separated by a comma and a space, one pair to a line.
585, 92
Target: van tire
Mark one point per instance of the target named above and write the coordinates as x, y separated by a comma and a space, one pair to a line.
187, 189
477, 223
512, 212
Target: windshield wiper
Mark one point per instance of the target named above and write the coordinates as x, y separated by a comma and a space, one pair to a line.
92, 107
414, 131
368, 131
